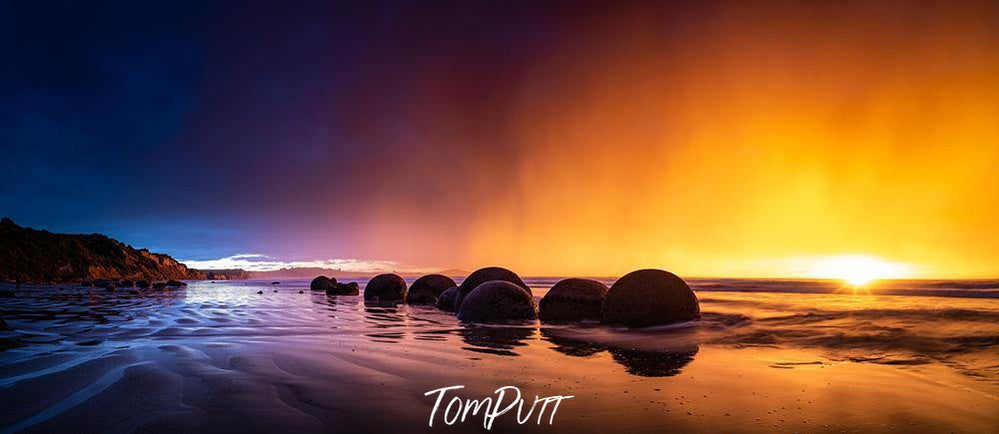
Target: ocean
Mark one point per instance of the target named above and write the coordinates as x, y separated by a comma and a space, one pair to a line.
787, 355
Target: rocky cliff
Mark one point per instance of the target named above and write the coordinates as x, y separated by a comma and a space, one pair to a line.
230, 274
35, 256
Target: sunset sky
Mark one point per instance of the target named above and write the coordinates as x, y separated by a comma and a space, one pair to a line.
591, 138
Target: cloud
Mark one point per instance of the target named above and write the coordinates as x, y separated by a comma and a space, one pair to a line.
259, 262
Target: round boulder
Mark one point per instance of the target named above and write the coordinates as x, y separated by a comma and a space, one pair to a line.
650, 297
446, 299
427, 289
343, 289
384, 288
484, 275
573, 300
497, 301
322, 283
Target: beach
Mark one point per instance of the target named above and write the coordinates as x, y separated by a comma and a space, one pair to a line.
219, 357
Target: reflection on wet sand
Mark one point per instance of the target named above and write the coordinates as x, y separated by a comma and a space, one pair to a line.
383, 317
498, 340
653, 364
644, 363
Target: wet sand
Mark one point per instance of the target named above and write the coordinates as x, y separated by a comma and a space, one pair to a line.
218, 357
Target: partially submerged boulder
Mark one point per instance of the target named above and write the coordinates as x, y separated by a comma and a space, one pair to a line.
322, 283
650, 297
344, 289
427, 289
142, 284
175, 283
126, 283
573, 299
484, 275
385, 288
159, 285
497, 301
447, 298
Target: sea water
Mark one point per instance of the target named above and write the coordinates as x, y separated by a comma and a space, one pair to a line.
766, 354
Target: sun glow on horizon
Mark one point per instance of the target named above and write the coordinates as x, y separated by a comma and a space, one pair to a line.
858, 270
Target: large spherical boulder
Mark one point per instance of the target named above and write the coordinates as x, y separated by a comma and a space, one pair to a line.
343, 289
573, 300
322, 283
484, 275
497, 301
446, 299
650, 297
385, 288
426, 289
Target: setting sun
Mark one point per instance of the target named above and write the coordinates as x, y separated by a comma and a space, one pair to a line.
858, 270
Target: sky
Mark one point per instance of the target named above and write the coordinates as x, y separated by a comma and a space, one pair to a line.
590, 138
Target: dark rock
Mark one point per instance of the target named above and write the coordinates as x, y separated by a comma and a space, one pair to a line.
175, 283
426, 289
322, 283
573, 300
301, 292
446, 299
3, 325
484, 275
275, 283
260, 292
351, 288
7, 293
87, 284
497, 301
159, 285
103, 283
125, 283
142, 284
385, 288
650, 297
110, 287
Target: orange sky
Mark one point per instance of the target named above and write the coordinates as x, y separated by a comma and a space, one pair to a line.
738, 144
